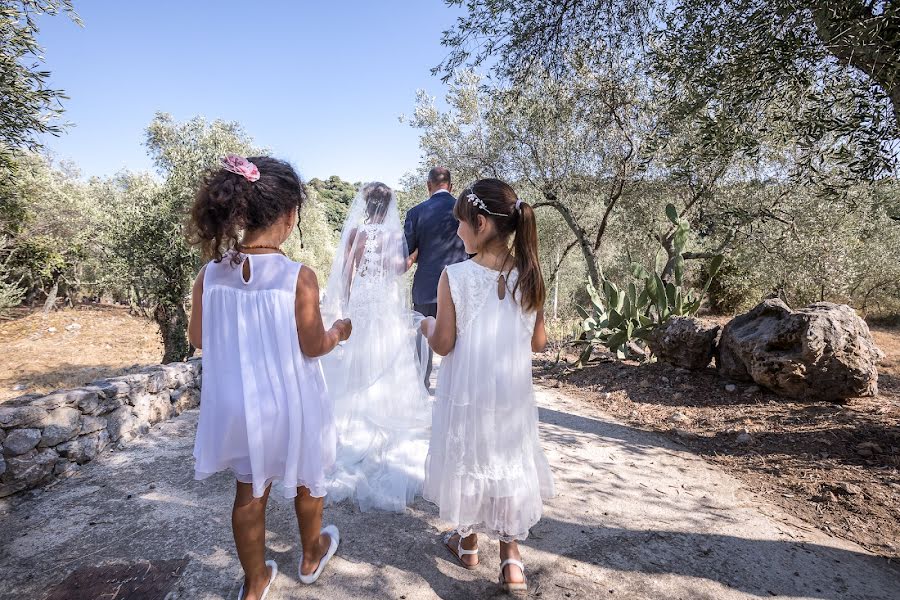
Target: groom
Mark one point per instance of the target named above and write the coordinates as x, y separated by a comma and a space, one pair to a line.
432, 242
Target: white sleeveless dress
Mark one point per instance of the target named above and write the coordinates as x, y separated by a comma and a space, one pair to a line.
485, 468
264, 408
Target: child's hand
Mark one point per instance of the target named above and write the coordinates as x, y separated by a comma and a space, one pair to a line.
344, 328
427, 326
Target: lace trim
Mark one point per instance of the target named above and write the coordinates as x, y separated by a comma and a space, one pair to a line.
470, 287
470, 294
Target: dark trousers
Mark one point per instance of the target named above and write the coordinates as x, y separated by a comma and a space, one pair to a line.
429, 310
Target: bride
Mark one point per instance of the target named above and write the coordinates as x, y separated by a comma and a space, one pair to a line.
382, 409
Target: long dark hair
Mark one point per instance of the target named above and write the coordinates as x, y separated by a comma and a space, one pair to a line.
500, 199
227, 204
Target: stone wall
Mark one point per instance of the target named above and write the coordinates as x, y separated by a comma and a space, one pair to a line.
42, 437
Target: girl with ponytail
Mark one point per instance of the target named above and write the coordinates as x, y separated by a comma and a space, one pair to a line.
485, 468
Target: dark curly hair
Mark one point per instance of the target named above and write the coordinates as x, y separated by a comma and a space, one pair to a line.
227, 204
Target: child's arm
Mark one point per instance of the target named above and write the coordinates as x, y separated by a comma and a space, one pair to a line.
314, 340
195, 325
441, 332
539, 337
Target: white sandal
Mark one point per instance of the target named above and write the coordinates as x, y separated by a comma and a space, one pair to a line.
335, 537
274, 566
460, 551
513, 587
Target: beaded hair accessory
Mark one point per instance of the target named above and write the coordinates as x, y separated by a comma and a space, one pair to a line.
479, 203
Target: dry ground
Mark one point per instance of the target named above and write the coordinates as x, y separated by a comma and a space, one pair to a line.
40, 355
837, 467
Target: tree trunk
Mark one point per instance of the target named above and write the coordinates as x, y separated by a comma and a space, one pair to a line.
51, 298
580, 235
172, 321
556, 288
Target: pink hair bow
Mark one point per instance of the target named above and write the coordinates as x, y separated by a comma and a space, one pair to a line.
240, 166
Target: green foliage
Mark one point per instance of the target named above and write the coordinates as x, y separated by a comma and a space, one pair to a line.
621, 319
51, 229
11, 294
152, 244
319, 239
28, 106
335, 196
820, 77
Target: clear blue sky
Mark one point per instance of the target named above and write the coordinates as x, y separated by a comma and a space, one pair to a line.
319, 83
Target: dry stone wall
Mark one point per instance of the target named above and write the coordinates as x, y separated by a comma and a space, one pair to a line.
43, 437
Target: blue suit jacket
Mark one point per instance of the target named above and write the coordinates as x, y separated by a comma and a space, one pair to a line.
431, 229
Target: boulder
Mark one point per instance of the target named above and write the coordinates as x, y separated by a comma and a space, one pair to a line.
84, 448
686, 342
158, 380
185, 399
86, 399
113, 387
22, 416
62, 425
821, 352
30, 468
52, 401
20, 441
91, 424
120, 422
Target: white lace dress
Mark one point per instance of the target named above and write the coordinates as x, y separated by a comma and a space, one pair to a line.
382, 409
485, 468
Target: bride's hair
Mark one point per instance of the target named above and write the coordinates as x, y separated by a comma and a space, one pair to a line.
378, 198
496, 200
227, 204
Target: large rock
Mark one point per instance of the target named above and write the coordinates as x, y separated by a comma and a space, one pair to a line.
120, 423
84, 448
86, 399
821, 352
91, 424
185, 399
20, 441
22, 416
62, 425
30, 468
686, 342
113, 387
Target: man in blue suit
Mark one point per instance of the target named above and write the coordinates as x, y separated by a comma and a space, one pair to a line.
432, 242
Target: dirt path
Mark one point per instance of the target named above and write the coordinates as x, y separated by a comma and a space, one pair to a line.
636, 517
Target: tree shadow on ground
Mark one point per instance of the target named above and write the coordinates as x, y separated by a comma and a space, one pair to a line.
650, 394
141, 504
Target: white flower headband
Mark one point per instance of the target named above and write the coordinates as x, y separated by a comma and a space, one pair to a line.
479, 203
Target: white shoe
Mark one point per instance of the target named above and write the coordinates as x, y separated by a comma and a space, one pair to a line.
508, 586
335, 537
274, 566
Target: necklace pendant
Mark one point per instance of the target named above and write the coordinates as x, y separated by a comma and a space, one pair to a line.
501, 287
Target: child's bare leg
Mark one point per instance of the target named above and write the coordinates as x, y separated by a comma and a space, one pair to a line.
469, 542
248, 522
309, 520
511, 573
